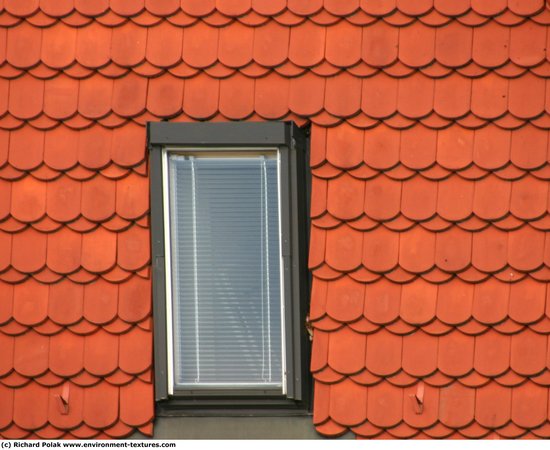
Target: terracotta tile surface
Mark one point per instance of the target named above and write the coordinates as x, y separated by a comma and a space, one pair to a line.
430, 202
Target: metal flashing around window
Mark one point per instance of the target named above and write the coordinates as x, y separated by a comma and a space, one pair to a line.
290, 143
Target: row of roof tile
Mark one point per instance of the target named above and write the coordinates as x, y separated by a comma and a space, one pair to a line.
320, 9
62, 149
65, 251
271, 45
67, 354
287, 69
418, 199
420, 148
419, 354
343, 96
65, 200
419, 303
66, 303
96, 407
437, 412
418, 250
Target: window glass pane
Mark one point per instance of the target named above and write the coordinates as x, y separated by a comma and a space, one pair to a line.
226, 274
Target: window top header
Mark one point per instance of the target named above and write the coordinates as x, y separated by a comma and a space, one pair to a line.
223, 133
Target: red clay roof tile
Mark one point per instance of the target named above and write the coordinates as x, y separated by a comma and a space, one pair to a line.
456, 405
346, 351
419, 354
164, 96
26, 97
343, 248
101, 353
63, 199
62, 311
236, 97
30, 406
527, 44
416, 250
93, 45
528, 353
100, 302
28, 251
383, 355
95, 95
100, 405
348, 405
345, 300
379, 98
30, 356
135, 342
30, 302
529, 405
98, 198
385, 405
135, 400
64, 251
456, 354
66, 354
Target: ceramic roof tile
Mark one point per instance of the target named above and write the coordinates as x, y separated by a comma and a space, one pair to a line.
93, 45
343, 94
383, 355
30, 302
456, 354
30, 406
382, 301
237, 97
135, 351
385, 405
26, 97
528, 353
61, 97
529, 405
379, 98
416, 45
62, 311
200, 99
133, 248
100, 301
101, 353
527, 301
30, 356
418, 302
527, 44
493, 405
417, 250
135, 401
420, 352
164, 96
95, 96
29, 251
380, 250
343, 248
264, 104
381, 148
456, 405
64, 251
66, 354
98, 198
525, 249
346, 351
101, 405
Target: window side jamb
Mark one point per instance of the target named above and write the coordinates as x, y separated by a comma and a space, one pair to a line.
160, 337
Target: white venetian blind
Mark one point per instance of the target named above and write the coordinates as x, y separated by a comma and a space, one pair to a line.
226, 274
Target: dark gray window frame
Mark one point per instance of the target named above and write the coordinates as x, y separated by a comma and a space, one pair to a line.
292, 143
